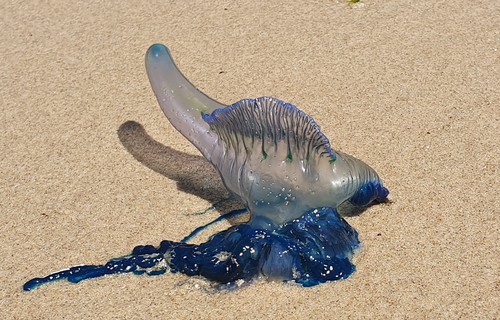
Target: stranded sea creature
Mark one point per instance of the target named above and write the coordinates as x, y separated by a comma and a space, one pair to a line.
276, 161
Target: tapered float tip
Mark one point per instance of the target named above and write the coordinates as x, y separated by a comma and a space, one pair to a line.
157, 51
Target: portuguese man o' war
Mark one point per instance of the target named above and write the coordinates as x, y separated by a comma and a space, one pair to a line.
274, 159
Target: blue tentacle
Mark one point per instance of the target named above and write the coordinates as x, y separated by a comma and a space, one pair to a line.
312, 249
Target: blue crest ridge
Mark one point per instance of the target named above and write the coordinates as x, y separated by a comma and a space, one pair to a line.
268, 118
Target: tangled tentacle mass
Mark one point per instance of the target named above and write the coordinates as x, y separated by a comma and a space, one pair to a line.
273, 158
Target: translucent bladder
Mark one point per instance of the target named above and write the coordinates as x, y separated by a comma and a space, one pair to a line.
269, 154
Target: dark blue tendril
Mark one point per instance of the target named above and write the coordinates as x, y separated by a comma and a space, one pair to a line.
315, 248
223, 217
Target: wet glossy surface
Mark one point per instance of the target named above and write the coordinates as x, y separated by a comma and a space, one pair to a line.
272, 157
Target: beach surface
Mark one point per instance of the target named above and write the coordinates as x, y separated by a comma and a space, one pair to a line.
90, 167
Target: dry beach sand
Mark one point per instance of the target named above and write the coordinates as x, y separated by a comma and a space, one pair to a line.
90, 167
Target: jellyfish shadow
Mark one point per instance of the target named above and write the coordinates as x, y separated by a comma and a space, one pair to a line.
193, 174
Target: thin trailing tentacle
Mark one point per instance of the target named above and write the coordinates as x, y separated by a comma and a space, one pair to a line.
232, 214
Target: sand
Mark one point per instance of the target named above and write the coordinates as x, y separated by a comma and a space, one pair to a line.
90, 167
